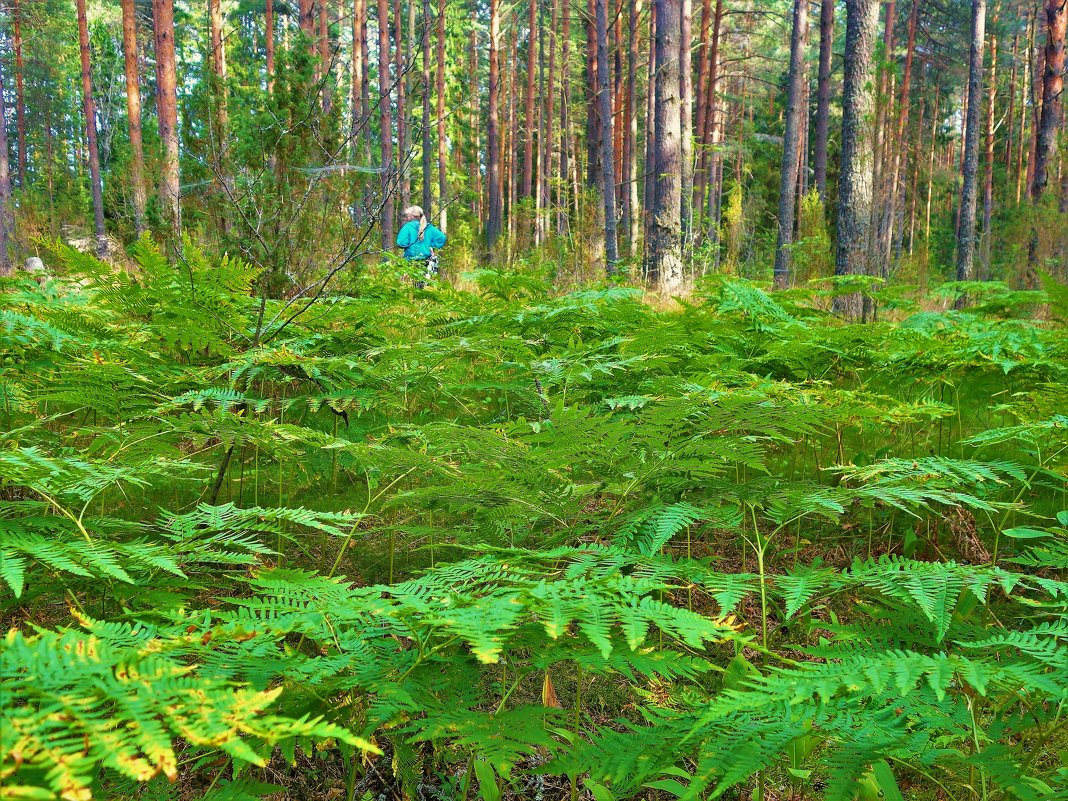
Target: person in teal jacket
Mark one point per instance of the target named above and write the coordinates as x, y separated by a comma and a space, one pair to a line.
420, 240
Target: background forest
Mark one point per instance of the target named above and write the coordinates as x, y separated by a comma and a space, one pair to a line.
726, 458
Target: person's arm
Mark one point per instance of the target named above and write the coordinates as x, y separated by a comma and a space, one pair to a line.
405, 238
437, 237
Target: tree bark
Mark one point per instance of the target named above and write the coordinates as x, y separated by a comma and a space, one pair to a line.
649, 169
385, 121
476, 114
900, 138
528, 103
593, 108
666, 251
439, 90
988, 182
400, 72
493, 147
20, 102
7, 214
268, 36
630, 129
167, 111
607, 139
358, 119
709, 136
306, 20
90, 132
548, 135
1052, 97
428, 171
686, 120
791, 146
966, 229
856, 183
1010, 116
133, 113
823, 96
704, 56
566, 140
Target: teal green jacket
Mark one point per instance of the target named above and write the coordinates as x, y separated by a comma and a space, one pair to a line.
414, 250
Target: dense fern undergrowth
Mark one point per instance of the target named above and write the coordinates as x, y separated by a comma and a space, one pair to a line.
501, 543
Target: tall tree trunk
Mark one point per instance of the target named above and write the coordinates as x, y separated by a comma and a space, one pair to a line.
358, 120
1025, 93
1052, 91
493, 148
439, 91
649, 168
714, 162
528, 102
1010, 115
666, 251
268, 36
306, 19
548, 135
966, 229
133, 112
7, 212
538, 179
325, 58
20, 103
400, 72
511, 172
900, 138
791, 145
988, 182
566, 140
823, 96
1038, 70
428, 172
703, 58
856, 183
686, 120
593, 113
476, 115
385, 122
167, 111
630, 129
90, 132
607, 139
222, 124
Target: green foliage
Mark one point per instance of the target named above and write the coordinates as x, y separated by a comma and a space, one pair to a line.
498, 539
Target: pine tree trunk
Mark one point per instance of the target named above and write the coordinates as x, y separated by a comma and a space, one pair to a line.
493, 147
791, 145
666, 251
268, 36
385, 122
593, 108
7, 211
607, 139
701, 176
476, 115
20, 103
686, 120
566, 139
222, 124
900, 141
549, 136
714, 162
400, 71
1010, 116
969, 191
428, 170
823, 96
306, 20
649, 168
528, 103
133, 113
856, 184
357, 121
90, 132
439, 90
1052, 98
167, 111
988, 182
630, 130
1038, 70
